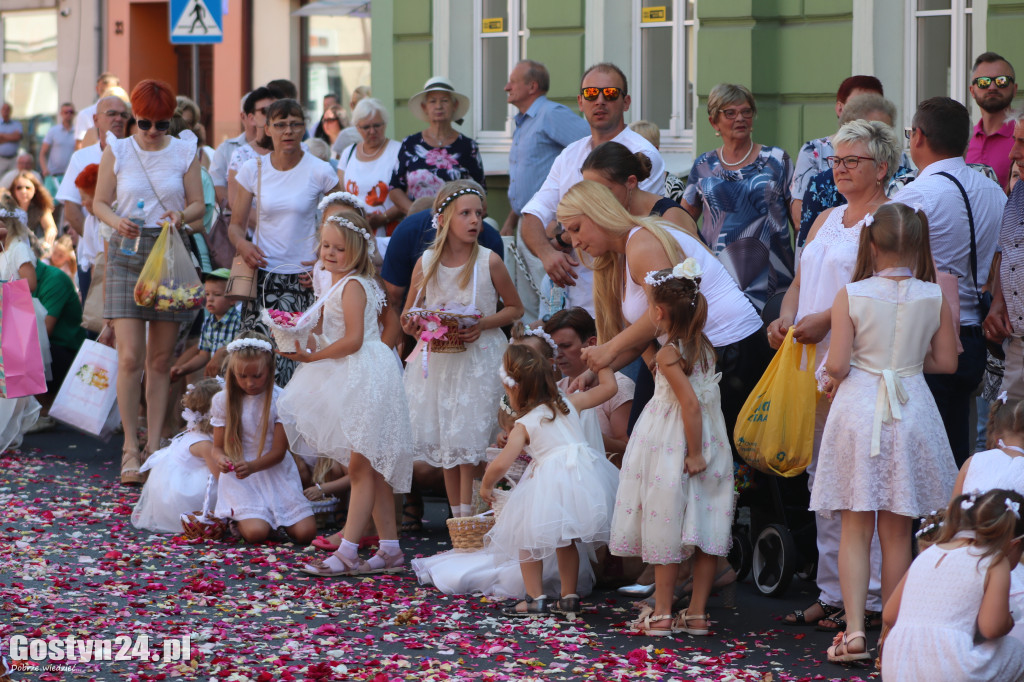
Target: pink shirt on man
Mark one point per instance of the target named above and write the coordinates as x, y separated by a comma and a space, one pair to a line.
992, 150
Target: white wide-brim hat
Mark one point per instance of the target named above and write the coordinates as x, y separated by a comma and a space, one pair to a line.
438, 84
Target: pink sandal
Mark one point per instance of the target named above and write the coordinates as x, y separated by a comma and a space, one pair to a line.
334, 565
382, 562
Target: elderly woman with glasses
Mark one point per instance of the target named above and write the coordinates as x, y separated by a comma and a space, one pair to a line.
866, 154
365, 168
162, 173
742, 188
290, 183
439, 153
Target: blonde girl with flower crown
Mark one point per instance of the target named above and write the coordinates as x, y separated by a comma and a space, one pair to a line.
451, 395
179, 473
365, 427
675, 498
258, 485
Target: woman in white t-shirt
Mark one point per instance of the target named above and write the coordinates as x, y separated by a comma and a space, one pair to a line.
290, 183
365, 168
622, 249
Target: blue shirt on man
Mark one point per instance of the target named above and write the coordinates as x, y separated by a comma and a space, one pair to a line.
541, 133
412, 237
8, 150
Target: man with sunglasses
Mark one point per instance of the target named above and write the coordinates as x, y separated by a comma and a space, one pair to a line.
993, 87
111, 115
604, 100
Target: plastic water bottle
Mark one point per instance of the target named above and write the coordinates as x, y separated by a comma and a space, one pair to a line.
130, 245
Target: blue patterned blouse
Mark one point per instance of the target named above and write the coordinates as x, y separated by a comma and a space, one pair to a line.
746, 219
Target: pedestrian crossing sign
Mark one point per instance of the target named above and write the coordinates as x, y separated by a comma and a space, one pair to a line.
196, 22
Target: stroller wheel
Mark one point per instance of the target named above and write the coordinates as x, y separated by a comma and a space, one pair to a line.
774, 560
741, 556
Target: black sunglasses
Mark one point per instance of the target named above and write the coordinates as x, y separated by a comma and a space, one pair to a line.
985, 82
591, 94
146, 124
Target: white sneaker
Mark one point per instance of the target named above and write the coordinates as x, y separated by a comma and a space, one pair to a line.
44, 423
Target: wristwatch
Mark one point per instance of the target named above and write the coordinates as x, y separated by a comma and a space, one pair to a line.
561, 242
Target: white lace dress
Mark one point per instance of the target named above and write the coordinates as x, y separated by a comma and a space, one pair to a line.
356, 403
661, 514
454, 408
884, 446
273, 495
566, 493
176, 485
935, 633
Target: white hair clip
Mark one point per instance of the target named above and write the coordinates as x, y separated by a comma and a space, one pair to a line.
188, 389
1012, 506
505, 378
1002, 397
220, 380
967, 503
342, 198
17, 214
918, 208
345, 222
541, 334
259, 344
869, 220
192, 417
688, 269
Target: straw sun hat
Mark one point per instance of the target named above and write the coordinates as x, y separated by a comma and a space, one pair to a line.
438, 84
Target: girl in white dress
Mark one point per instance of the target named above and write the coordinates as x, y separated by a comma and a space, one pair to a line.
676, 496
180, 472
884, 452
950, 613
346, 401
259, 487
451, 395
566, 493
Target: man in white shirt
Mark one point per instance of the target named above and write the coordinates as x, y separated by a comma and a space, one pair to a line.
85, 117
943, 188
603, 99
221, 157
111, 115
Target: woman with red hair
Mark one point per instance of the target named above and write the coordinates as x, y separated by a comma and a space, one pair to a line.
163, 172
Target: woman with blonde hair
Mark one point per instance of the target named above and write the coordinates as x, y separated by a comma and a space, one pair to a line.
621, 249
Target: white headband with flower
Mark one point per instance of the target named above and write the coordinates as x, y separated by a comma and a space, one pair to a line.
16, 213
1012, 506
342, 221
436, 220
259, 344
193, 417
688, 269
505, 378
541, 334
342, 198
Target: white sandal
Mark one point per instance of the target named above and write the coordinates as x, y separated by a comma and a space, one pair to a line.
681, 623
647, 616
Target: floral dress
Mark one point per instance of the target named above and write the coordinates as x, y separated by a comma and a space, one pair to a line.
422, 170
746, 219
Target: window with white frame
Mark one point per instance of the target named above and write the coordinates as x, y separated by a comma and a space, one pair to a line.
939, 50
500, 43
29, 65
663, 82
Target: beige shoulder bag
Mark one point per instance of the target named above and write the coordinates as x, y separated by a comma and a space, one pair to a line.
242, 283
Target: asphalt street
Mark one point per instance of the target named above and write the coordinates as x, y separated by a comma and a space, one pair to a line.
72, 568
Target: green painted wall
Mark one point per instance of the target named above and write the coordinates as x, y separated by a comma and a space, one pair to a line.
766, 45
1005, 25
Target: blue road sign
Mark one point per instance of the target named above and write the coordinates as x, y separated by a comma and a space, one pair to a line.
196, 22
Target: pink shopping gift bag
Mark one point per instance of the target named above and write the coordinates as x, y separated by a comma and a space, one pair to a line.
21, 358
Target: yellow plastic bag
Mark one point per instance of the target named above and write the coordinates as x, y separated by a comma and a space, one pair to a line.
168, 280
774, 431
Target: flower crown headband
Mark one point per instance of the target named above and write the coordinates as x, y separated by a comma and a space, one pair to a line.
345, 222
16, 213
505, 378
436, 220
541, 334
505, 407
259, 344
342, 198
688, 269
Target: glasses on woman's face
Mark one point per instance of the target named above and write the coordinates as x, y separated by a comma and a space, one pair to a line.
282, 126
731, 114
331, 119
370, 126
849, 162
145, 124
